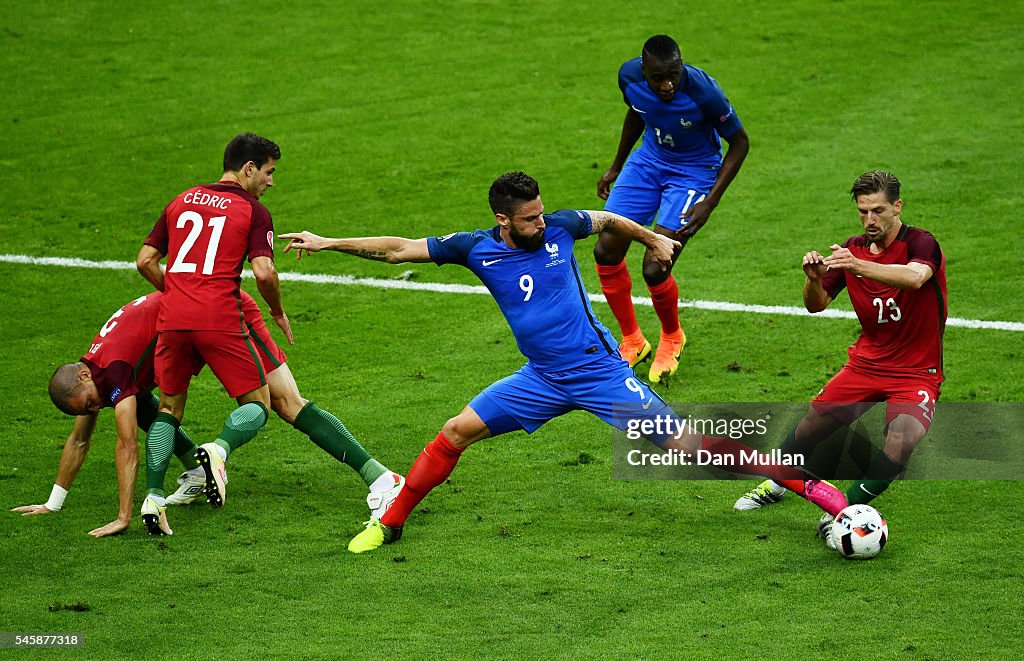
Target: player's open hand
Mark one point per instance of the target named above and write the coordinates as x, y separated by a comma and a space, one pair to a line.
29, 510
286, 326
814, 265
604, 184
842, 258
663, 249
300, 241
115, 527
695, 217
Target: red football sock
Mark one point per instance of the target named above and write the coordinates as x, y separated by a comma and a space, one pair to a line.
666, 303
430, 469
763, 466
617, 286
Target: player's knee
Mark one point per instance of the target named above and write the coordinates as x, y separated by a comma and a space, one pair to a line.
608, 255
461, 432
287, 408
806, 430
654, 274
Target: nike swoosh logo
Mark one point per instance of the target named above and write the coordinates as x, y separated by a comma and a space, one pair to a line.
642, 112
487, 262
648, 404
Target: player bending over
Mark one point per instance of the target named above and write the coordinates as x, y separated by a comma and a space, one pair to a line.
117, 372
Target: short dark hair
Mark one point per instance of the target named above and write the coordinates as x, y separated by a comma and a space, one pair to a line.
510, 191
876, 181
246, 147
661, 47
64, 385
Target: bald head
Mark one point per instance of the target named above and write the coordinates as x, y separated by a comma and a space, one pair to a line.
67, 387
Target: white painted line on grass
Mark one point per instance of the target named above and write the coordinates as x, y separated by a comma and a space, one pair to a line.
443, 288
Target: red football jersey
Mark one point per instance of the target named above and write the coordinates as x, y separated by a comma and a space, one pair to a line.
121, 355
901, 328
207, 232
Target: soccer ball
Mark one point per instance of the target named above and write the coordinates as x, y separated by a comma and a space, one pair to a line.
859, 532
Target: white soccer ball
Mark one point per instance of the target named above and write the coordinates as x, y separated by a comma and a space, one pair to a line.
859, 532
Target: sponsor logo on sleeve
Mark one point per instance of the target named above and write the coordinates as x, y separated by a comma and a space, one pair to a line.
445, 237
114, 395
270, 240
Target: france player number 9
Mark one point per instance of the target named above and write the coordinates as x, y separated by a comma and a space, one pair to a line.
526, 284
633, 386
216, 224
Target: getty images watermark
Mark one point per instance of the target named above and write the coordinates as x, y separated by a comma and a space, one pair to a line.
665, 426
965, 441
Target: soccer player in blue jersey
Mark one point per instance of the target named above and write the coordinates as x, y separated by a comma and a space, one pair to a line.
527, 263
677, 175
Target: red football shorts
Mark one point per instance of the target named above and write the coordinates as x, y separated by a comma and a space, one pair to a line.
232, 357
271, 356
852, 393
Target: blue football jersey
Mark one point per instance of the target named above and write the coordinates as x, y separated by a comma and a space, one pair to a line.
685, 130
540, 292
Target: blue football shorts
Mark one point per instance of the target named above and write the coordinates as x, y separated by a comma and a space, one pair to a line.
608, 388
649, 188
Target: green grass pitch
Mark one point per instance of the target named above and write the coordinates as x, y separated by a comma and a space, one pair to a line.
393, 119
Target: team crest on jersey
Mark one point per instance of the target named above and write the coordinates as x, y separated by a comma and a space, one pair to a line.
552, 249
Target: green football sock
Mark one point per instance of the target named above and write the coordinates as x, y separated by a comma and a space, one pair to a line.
241, 426
159, 447
185, 449
331, 435
881, 472
146, 409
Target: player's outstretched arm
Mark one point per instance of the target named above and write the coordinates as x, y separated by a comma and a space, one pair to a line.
71, 459
663, 249
390, 249
148, 264
270, 289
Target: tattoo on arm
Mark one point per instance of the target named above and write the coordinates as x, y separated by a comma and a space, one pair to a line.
366, 253
602, 220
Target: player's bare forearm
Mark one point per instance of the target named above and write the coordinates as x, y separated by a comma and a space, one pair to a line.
632, 129
662, 248
901, 276
390, 249
739, 147
75, 450
126, 456
148, 264
816, 298
268, 284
